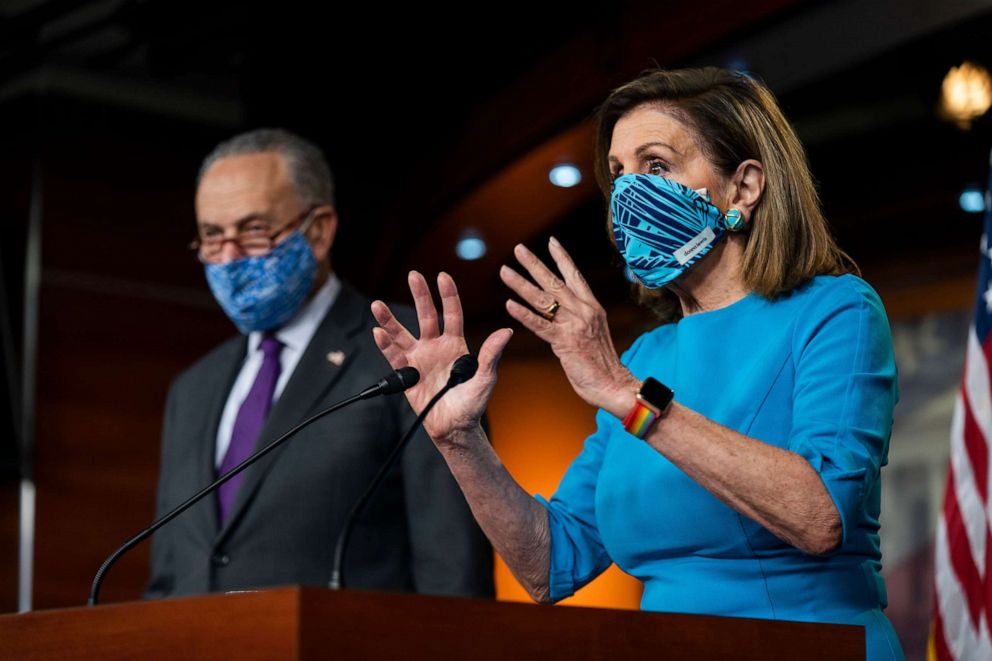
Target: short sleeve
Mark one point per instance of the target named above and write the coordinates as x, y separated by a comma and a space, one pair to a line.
577, 552
845, 392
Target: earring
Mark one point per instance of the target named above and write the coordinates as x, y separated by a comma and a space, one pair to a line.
734, 220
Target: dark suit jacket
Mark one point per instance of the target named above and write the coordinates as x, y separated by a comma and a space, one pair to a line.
416, 534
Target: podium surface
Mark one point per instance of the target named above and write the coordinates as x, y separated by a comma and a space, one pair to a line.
313, 623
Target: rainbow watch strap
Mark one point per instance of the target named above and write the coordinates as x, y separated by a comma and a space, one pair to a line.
653, 399
639, 420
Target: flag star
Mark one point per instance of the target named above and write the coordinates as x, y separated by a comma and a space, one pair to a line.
988, 298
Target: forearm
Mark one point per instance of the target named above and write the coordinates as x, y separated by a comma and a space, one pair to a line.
515, 523
776, 488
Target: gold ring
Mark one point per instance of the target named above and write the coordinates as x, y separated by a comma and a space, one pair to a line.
551, 311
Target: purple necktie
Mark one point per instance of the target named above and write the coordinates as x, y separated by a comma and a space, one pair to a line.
249, 422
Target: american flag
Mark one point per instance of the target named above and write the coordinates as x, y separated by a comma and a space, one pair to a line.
962, 545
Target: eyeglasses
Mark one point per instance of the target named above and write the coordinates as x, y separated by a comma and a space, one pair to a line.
255, 238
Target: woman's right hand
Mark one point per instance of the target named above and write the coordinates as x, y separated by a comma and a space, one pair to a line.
433, 354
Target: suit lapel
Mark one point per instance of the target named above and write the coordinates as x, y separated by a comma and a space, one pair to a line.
313, 378
215, 388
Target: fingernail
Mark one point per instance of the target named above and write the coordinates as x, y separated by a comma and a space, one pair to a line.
553, 241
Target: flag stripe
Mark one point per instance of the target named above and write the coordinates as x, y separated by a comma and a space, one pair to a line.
964, 491
960, 553
976, 385
978, 453
963, 640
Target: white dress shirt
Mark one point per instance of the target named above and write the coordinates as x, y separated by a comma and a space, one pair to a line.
295, 336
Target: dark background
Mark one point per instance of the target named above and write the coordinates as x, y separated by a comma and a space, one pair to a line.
434, 122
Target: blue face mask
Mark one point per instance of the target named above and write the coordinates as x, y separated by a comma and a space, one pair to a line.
661, 227
263, 293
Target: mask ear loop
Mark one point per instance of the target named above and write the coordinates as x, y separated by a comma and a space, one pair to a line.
733, 220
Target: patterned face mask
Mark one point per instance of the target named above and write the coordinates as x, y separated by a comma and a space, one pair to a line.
263, 293
661, 227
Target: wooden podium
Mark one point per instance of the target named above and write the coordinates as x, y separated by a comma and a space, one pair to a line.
312, 623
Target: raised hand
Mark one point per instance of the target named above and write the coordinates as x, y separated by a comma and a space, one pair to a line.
434, 352
572, 321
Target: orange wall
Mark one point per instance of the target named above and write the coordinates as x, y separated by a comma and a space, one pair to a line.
536, 447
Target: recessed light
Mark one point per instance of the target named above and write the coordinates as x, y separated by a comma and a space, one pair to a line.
565, 175
470, 246
972, 200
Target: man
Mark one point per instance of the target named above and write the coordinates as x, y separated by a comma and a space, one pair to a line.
266, 222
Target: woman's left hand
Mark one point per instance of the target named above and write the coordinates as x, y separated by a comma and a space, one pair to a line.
576, 330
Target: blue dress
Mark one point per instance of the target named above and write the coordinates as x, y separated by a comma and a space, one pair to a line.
812, 372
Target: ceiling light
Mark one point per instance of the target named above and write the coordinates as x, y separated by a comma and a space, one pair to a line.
565, 175
966, 94
470, 246
972, 200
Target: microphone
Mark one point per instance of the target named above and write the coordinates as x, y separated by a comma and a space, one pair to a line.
395, 382
462, 370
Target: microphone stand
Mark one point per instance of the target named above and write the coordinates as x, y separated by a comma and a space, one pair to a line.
389, 384
463, 370
337, 575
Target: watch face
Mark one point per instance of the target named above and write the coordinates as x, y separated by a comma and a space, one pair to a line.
656, 393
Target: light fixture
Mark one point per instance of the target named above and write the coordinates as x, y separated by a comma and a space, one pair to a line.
966, 94
972, 200
470, 245
565, 175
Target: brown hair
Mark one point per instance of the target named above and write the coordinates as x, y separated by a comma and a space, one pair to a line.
734, 118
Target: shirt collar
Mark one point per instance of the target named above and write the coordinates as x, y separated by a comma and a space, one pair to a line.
298, 331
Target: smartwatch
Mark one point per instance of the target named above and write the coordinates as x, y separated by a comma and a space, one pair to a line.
653, 399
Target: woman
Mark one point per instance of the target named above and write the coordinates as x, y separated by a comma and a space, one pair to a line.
754, 493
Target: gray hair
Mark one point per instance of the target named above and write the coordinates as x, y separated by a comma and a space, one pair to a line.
308, 169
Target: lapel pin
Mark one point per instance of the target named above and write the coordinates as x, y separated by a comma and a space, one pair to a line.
336, 357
